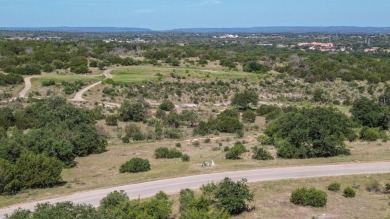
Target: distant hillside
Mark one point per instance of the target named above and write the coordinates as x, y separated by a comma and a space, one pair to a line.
82, 29
279, 29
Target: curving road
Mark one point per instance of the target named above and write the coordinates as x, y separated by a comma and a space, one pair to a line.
79, 94
174, 185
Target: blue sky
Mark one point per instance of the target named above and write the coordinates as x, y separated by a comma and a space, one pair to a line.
168, 14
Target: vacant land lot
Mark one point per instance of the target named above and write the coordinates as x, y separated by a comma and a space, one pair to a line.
102, 170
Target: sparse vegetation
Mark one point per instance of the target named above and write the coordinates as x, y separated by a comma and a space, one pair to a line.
313, 105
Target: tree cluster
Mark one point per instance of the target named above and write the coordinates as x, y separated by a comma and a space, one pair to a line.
311, 132
227, 121
56, 130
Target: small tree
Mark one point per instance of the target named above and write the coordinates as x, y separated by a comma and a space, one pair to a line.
230, 195
249, 116
235, 152
135, 165
244, 99
132, 111
261, 154
113, 199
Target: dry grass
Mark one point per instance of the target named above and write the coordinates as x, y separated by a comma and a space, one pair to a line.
272, 199
102, 170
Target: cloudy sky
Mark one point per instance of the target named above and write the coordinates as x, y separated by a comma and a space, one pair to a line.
168, 14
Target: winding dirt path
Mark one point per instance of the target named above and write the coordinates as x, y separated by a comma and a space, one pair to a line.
79, 94
27, 86
174, 185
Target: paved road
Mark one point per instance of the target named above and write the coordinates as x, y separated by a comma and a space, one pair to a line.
79, 94
174, 185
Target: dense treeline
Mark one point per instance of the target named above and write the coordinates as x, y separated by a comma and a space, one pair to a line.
57, 133
32, 57
9, 79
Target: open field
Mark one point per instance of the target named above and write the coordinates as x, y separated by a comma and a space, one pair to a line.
272, 199
139, 74
58, 78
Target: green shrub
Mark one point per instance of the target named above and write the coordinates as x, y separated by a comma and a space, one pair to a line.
249, 116
173, 133
265, 140
309, 197
186, 198
178, 145
166, 153
111, 120
335, 187
135, 165
138, 136
196, 143
185, 157
47, 83
235, 152
349, 192
387, 188
167, 105
266, 109
261, 154
370, 134
125, 139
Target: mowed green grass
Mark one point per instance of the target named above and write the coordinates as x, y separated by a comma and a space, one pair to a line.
69, 78
144, 73
137, 74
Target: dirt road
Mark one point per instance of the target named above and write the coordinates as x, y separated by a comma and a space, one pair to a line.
27, 86
79, 94
174, 185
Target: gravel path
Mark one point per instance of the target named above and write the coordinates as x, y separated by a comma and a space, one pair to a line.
79, 94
